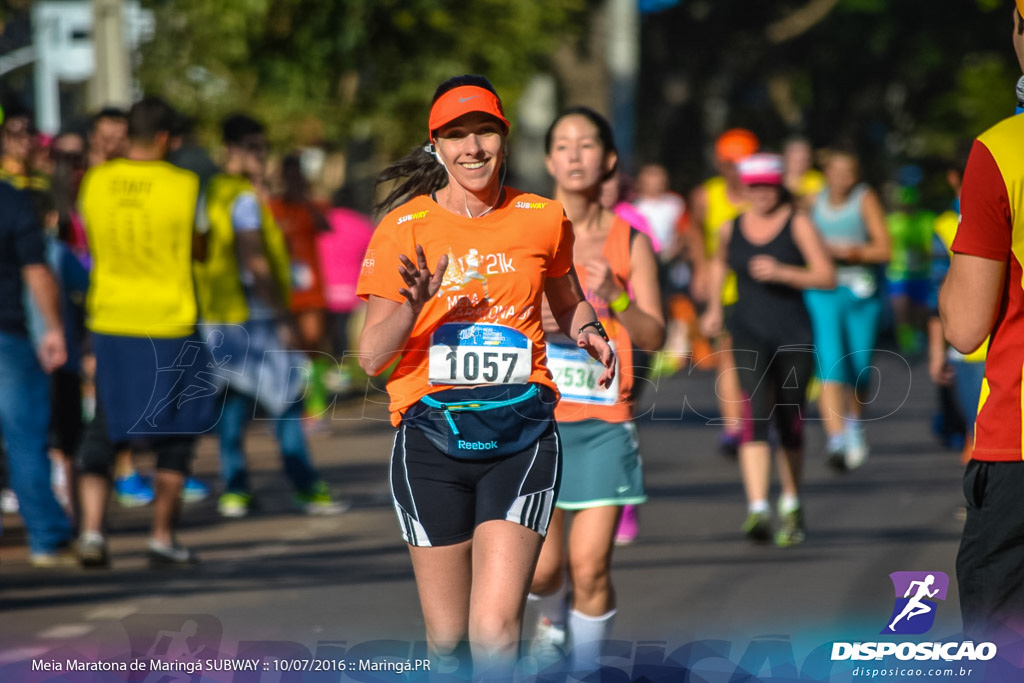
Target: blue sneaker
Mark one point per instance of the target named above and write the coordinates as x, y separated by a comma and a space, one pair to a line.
194, 491
133, 491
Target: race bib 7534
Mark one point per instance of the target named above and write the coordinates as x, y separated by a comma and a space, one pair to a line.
576, 375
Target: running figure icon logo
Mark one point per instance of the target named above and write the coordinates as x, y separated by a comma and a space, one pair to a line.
914, 609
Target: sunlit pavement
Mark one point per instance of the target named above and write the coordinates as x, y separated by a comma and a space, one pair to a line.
280, 577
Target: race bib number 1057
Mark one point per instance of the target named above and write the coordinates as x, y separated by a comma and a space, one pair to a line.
466, 353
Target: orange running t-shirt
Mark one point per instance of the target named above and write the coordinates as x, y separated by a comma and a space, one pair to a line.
298, 223
575, 372
484, 324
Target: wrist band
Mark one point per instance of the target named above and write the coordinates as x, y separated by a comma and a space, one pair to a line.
620, 303
596, 324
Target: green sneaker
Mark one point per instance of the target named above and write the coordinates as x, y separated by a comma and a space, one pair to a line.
318, 501
758, 527
233, 504
791, 531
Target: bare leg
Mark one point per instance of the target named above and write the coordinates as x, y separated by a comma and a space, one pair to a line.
504, 559
93, 491
123, 464
444, 580
791, 466
755, 466
854, 408
167, 504
548, 576
832, 406
730, 394
591, 542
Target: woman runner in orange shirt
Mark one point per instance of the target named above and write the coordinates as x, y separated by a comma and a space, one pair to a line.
454, 278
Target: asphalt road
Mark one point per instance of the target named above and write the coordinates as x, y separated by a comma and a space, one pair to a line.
315, 587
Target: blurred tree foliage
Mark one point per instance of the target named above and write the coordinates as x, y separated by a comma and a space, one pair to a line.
899, 81
316, 69
905, 81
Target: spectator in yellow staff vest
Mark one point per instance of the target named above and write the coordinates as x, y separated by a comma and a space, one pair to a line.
139, 215
244, 293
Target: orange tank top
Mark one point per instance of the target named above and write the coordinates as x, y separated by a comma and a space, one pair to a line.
575, 372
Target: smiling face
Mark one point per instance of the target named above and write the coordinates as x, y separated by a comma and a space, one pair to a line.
577, 159
472, 148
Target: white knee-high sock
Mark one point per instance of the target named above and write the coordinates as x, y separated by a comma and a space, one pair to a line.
586, 634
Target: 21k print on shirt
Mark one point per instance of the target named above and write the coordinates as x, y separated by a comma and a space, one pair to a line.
497, 266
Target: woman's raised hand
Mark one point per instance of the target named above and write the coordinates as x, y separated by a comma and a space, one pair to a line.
422, 285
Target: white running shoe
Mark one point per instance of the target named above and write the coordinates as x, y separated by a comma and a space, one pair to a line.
548, 645
8, 502
856, 447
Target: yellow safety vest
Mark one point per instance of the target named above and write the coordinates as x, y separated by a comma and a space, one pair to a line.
139, 219
218, 278
719, 211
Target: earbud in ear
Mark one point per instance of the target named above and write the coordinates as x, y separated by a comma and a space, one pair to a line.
430, 149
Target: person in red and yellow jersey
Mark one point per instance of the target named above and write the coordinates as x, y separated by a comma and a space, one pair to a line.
983, 296
454, 278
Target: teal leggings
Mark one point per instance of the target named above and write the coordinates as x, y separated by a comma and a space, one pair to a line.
845, 329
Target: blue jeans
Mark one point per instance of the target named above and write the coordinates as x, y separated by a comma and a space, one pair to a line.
239, 409
24, 422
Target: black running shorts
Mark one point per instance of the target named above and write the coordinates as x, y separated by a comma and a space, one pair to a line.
440, 500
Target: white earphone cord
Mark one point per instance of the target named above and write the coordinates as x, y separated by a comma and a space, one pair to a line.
465, 193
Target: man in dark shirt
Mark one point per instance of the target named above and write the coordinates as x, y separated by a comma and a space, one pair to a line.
24, 385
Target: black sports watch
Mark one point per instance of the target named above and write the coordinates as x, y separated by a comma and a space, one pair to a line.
596, 324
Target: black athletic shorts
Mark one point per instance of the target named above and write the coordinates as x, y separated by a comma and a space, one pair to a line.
990, 562
66, 424
440, 500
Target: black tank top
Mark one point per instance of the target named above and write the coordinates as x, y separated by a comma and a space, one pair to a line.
767, 312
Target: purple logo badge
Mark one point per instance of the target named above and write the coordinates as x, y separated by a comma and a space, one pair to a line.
916, 593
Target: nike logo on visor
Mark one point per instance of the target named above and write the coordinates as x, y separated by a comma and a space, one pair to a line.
467, 99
